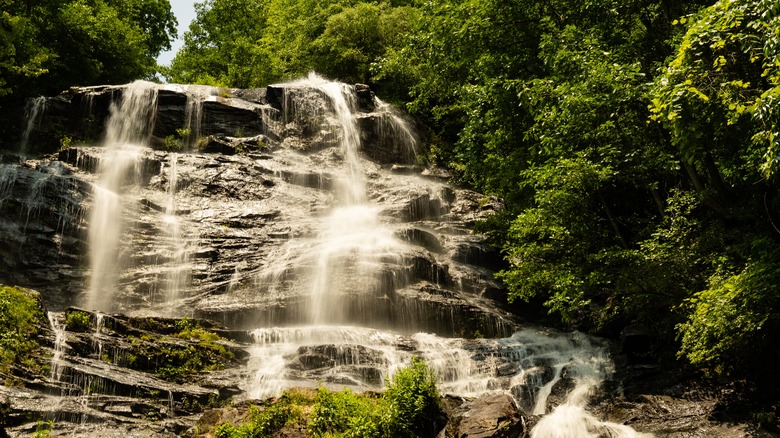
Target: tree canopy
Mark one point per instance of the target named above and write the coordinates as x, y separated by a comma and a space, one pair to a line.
47, 46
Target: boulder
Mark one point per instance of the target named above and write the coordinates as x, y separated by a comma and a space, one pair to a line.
489, 416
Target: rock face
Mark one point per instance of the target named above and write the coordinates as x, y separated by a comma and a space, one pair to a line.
111, 372
487, 416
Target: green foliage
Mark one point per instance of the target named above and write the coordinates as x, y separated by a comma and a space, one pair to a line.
43, 429
411, 401
185, 347
344, 413
78, 321
172, 144
265, 421
733, 323
723, 80
229, 39
20, 317
405, 409
49, 46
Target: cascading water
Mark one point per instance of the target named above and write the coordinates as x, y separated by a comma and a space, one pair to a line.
352, 241
343, 268
33, 112
393, 125
345, 262
193, 113
35, 198
178, 273
126, 132
8, 176
59, 345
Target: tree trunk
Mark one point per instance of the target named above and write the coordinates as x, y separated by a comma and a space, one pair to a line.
711, 202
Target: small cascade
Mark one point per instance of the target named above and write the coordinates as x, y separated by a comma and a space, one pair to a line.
397, 131
36, 197
528, 365
178, 274
57, 364
8, 175
193, 113
353, 241
33, 113
353, 356
126, 132
97, 337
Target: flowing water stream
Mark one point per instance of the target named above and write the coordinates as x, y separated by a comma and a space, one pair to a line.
126, 132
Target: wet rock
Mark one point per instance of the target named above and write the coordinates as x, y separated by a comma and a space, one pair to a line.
483, 417
479, 254
420, 237
232, 145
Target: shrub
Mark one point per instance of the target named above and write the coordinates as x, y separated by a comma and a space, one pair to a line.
347, 413
78, 321
407, 409
20, 316
411, 401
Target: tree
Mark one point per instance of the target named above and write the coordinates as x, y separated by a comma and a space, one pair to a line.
47, 46
221, 46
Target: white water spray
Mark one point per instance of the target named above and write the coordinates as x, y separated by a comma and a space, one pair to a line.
343, 261
193, 112
126, 134
353, 239
97, 337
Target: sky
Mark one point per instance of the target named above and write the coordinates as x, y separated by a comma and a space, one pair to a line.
184, 10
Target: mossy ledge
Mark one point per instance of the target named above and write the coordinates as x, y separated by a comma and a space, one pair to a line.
146, 372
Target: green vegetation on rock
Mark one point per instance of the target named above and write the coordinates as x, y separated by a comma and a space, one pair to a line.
407, 408
78, 321
20, 319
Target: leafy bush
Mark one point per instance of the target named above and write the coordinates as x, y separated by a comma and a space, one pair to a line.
733, 324
78, 321
20, 316
406, 409
266, 421
345, 413
411, 401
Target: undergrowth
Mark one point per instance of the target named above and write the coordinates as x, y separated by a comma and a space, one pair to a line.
407, 408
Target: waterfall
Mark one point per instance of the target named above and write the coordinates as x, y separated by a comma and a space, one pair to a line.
57, 365
178, 272
344, 262
8, 175
193, 113
99, 318
325, 241
126, 133
395, 127
36, 197
33, 112
352, 240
